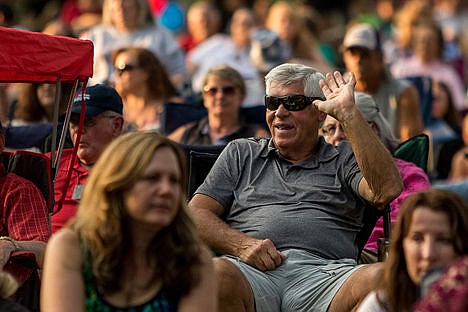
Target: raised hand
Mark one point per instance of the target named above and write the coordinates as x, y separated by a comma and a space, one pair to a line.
339, 94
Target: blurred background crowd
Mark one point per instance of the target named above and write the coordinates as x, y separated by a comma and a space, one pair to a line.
156, 51
207, 60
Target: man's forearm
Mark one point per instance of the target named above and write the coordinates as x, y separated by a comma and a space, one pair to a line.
35, 247
374, 160
217, 234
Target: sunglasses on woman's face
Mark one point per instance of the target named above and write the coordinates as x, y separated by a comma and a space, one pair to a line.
228, 90
125, 67
295, 102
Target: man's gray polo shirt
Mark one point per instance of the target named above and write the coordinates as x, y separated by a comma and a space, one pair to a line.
312, 206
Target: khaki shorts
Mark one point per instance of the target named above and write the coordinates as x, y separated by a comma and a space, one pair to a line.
303, 282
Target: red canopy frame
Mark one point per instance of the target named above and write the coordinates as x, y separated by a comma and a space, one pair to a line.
35, 57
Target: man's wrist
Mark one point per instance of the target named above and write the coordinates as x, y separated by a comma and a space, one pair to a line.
12, 241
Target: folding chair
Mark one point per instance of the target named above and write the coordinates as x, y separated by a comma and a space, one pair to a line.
415, 150
199, 160
22, 137
35, 57
424, 86
202, 158
32, 166
175, 115
23, 266
255, 115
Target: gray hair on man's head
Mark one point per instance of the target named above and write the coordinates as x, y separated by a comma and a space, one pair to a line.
371, 113
287, 74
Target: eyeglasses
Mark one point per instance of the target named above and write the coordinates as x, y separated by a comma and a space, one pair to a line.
89, 121
125, 67
229, 90
295, 102
331, 130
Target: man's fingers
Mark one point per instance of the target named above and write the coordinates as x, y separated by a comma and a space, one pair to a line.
260, 265
350, 78
276, 257
268, 263
339, 78
331, 81
325, 88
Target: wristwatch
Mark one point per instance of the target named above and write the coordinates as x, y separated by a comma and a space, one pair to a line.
11, 240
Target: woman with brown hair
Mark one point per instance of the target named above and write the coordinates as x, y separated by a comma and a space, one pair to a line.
35, 103
430, 233
132, 245
292, 22
143, 83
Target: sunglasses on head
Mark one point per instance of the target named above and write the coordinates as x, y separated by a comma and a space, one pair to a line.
229, 90
125, 67
294, 102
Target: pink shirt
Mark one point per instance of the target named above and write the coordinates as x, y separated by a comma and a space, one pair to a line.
437, 70
414, 179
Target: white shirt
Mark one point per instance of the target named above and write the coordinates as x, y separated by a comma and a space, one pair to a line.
107, 39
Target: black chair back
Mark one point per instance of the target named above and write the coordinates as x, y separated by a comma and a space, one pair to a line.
199, 160
175, 115
34, 167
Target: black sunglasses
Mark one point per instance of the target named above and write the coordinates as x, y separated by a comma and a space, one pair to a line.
125, 67
295, 102
229, 90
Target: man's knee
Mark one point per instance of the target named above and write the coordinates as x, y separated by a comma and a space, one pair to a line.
231, 281
357, 286
233, 287
371, 274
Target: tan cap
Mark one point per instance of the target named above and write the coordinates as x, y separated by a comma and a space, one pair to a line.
361, 36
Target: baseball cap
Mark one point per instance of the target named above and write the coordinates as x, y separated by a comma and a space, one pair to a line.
99, 98
362, 36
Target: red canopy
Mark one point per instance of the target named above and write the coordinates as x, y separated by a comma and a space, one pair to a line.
27, 56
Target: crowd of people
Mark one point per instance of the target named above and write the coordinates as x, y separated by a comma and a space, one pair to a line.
277, 223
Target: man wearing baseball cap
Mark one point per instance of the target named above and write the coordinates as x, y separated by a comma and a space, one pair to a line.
103, 122
398, 100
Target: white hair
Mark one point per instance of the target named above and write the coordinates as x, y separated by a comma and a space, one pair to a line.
287, 74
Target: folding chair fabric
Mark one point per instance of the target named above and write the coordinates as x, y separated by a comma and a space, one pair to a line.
32, 166
415, 150
22, 137
23, 265
424, 86
199, 160
175, 115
